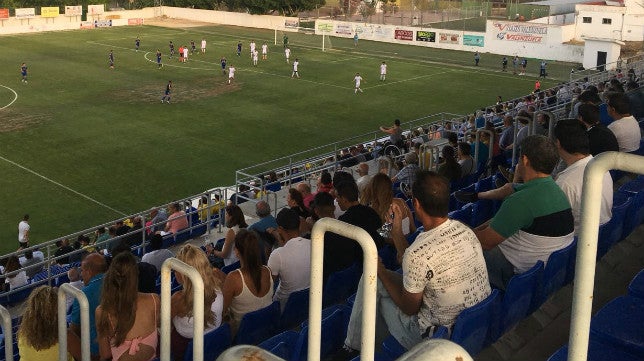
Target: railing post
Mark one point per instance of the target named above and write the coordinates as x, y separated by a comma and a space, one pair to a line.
64, 290
8, 333
197, 307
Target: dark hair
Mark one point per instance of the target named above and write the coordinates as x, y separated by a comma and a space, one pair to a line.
341, 176
465, 148
156, 242
297, 197
432, 192
589, 113
247, 245
325, 178
619, 102
452, 137
288, 219
572, 136
589, 96
348, 191
541, 152
322, 199
397, 122
236, 216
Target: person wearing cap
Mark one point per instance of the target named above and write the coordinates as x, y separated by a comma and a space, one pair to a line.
291, 261
407, 174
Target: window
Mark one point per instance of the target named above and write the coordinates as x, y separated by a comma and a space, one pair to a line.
607, 21
587, 20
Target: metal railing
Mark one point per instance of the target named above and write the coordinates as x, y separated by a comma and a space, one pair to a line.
7, 331
63, 291
582, 299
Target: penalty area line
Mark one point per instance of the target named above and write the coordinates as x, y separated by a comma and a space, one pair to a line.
63, 186
15, 97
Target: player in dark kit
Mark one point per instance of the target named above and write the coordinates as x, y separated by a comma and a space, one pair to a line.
23, 72
137, 43
159, 63
168, 92
171, 49
193, 47
223, 64
239, 48
111, 59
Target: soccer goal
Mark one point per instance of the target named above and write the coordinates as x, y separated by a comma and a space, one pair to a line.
326, 42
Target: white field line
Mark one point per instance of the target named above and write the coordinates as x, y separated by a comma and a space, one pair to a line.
63, 186
15, 97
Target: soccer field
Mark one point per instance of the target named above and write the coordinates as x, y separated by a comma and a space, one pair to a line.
82, 144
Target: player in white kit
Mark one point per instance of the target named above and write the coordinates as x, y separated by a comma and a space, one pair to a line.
252, 48
295, 73
358, 79
287, 54
231, 73
383, 71
255, 57
203, 46
264, 51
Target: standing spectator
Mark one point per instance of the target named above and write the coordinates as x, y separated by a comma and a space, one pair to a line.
23, 232
395, 133
235, 222
177, 220
249, 288
477, 58
15, 280
93, 268
515, 63
542, 69
624, 126
504, 64
126, 320
443, 272
38, 331
290, 263
158, 254
182, 300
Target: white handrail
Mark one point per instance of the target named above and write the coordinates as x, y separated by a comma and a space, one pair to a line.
64, 290
197, 307
582, 301
370, 278
8, 333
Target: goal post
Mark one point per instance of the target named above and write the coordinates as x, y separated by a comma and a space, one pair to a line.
326, 42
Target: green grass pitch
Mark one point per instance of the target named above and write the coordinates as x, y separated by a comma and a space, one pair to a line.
83, 144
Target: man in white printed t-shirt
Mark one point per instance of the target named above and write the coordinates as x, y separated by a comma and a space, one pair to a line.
383, 71
443, 272
231, 73
295, 73
23, 232
287, 54
291, 262
203, 46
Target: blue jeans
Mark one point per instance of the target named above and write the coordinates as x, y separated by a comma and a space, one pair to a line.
389, 318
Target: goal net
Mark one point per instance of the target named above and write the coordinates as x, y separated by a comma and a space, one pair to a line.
326, 42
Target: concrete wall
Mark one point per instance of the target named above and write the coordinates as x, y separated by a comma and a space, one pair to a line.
237, 19
611, 48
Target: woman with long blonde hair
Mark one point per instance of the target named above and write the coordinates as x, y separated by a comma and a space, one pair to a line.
126, 320
38, 332
182, 301
379, 195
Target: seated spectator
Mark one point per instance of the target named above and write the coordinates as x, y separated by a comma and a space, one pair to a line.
159, 219
636, 99
235, 222
135, 236
600, 138
75, 281
243, 195
250, 287
63, 249
147, 272
86, 244
101, 237
407, 174
295, 201
534, 220
290, 263
305, 189
157, 254
182, 300
325, 182
13, 281
216, 204
465, 159
38, 331
449, 168
364, 177
624, 126
573, 148
443, 272
121, 228
93, 268
126, 320
266, 219
177, 220
191, 212
379, 196
272, 182
31, 263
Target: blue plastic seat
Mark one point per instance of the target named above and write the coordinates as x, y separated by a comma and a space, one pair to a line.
482, 211
611, 232
258, 326
473, 325
471, 188
518, 299
340, 285
464, 215
182, 236
636, 287
231, 267
334, 331
215, 342
554, 274
198, 230
619, 323
282, 344
392, 348
485, 184
296, 309
635, 215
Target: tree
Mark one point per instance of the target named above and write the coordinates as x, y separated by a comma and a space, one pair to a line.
367, 9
